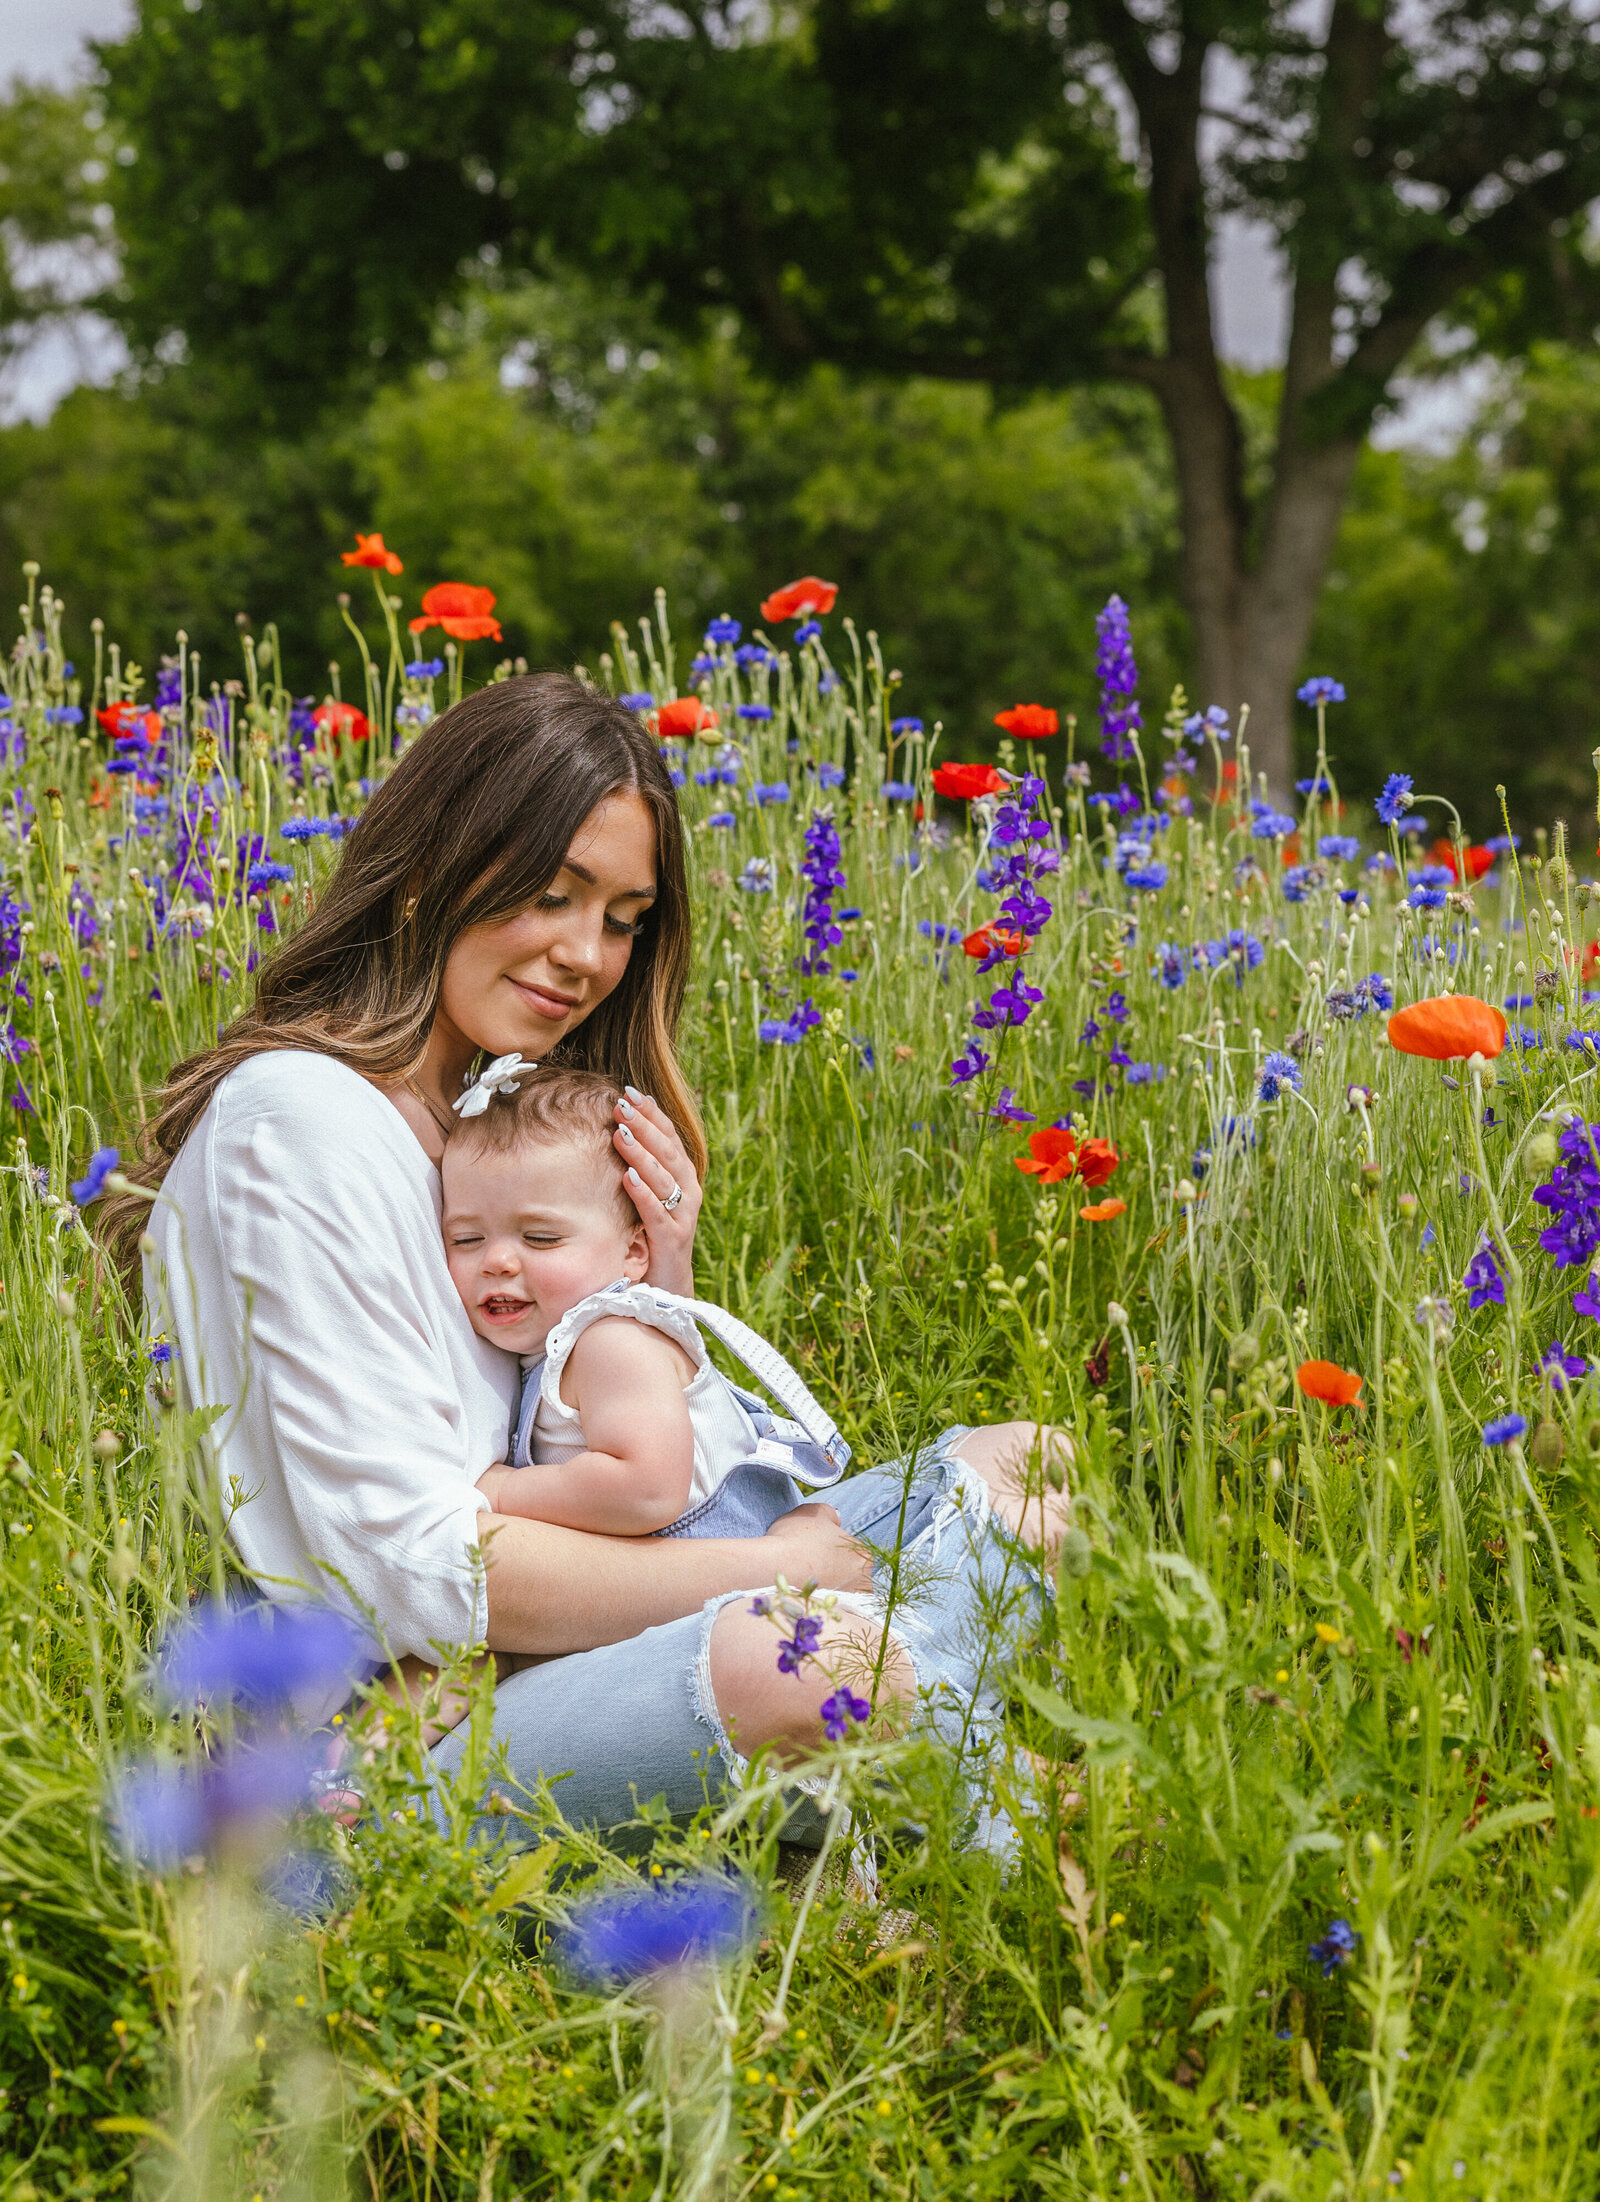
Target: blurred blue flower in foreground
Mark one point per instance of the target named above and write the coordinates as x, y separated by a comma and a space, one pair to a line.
626, 1933
842, 1711
1505, 1430
261, 1655
1321, 690
166, 1813
93, 1183
1336, 1946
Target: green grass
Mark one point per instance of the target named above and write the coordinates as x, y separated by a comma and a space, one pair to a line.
1314, 1665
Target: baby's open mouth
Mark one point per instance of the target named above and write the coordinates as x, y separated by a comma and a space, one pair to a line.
503, 1308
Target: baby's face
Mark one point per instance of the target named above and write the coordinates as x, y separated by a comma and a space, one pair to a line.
531, 1233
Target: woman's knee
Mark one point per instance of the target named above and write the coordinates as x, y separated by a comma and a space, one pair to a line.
1027, 1467
761, 1705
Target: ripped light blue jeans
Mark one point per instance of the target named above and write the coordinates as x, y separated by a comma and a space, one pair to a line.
613, 1729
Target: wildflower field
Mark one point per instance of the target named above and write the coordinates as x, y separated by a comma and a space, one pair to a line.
1064, 1087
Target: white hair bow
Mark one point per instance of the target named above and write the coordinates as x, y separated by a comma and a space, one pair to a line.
500, 1076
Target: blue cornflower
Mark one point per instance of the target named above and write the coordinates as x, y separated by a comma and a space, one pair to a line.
1301, 880
1321, 690
1237, 947
1425, 898
628, 1933
809, 630
831, 776
66, 714
755, 711
790, 1031
1210, 723
753, 657
1502, 844
1395, 799
1339, 1943
93, 1183
905, 726
1378, 990
1318, 784
261, 1655
1524, 1036
431, 668
1279, 1070
841, 1710
1146, 1074
1339, 848
722, 630
722, 818
759, 876
1505, 1430
1560, 1367
640, 699
850, 913
268, 875
1172, 964
166, 1813
1381, 861
929, 928
1587, 1043
1267, 824
702, 667
301, 829
1145, 878
1485, 1286
898, 791
772, 791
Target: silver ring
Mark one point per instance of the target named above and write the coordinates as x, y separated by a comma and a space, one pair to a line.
673, 1197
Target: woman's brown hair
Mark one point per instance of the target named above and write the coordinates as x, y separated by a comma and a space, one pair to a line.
473, 824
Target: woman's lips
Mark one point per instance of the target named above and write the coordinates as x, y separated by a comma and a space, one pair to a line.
554, 1008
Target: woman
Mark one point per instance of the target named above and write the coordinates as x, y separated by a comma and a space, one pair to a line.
516, 886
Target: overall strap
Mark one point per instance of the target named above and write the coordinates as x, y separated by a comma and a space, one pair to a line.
765, 1362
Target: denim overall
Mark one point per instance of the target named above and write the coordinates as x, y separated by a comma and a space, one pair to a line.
783, 1451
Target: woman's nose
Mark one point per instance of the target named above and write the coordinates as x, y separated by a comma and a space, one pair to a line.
579, 947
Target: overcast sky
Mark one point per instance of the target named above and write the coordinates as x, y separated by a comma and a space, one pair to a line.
45, 39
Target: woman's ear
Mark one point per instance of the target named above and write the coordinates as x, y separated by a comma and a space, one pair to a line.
636, 1262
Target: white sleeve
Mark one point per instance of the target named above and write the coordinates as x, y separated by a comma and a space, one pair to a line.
337, 1301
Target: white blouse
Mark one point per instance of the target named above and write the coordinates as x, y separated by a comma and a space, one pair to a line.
300, 1275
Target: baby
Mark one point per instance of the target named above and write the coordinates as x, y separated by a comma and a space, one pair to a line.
625, 1426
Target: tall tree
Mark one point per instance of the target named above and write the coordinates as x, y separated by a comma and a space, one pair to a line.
1018, 192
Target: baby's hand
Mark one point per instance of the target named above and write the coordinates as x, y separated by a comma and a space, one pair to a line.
494, 1482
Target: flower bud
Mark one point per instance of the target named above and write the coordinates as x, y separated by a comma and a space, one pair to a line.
1077, 1555
1407, 1205
107, 1445
1185, 1192
1117, 1313
1244, 1353
1540, 1155
1548, 1447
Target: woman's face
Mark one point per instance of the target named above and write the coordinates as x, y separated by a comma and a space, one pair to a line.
523, 983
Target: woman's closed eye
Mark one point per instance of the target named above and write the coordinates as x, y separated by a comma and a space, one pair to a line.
627, 928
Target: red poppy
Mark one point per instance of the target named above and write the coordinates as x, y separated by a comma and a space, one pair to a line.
370, 551
1325, 1380
123, 720
461, 610
341, 722
1029, 722
675, 721
966, 781
1591, 959
799, 598
100, 795
978, 944
1478, 861
1448, 1027
1104, 1210
1054, 1154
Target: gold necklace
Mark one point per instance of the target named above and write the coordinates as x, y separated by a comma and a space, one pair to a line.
443, 1122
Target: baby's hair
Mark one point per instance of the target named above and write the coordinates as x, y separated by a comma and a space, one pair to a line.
552, 1107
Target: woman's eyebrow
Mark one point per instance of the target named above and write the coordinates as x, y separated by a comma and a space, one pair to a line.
628, 894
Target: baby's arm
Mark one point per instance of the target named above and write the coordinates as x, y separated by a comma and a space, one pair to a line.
626, 1381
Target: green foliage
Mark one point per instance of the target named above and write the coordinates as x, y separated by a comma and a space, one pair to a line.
1302, 1666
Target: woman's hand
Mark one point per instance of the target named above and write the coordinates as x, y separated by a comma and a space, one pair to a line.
814, 1546
648, 1143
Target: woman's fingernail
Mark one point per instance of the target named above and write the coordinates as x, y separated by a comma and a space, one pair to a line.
626, 1134
625, 1108
633, 1093
633, 1176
